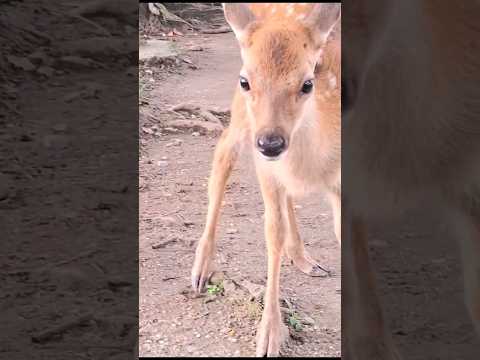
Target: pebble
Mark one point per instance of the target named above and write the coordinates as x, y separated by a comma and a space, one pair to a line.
195, 133
175, 142
307, 320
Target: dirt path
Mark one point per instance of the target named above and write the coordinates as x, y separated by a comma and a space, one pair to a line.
174, 169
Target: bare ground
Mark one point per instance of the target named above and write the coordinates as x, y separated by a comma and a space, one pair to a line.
174, 169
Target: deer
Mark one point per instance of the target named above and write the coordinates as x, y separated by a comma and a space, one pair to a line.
287, 110
410, 126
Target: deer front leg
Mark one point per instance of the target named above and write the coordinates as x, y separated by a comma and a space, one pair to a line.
364, 333
272, 332
223, 162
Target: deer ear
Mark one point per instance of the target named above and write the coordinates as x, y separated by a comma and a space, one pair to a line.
238, 16
322, 19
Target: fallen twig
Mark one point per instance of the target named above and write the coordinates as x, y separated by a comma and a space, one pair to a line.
164, 244
205, 113
75, 258
196, 125
79, 16
220, 30
170, 278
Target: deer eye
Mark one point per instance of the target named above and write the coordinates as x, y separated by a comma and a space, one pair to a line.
307, 87
244, 83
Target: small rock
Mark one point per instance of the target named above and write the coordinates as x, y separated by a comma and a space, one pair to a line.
307, 320
232, 231
217, 278
175, 142
195, 48
162, 163
195, 133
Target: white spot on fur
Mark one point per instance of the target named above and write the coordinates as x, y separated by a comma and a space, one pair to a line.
332, 80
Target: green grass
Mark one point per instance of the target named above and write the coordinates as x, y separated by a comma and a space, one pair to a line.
215, 289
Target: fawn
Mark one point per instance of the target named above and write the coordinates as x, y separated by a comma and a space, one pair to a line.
410, 113
287, 109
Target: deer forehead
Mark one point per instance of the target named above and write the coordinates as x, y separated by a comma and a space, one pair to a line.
278, 53
292, 11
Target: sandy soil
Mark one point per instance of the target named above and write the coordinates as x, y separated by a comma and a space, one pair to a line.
68, 262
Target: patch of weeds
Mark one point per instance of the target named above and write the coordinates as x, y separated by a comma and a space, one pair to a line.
294, 321
215, 289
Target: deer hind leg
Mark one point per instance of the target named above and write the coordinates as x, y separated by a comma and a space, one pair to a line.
470, 245
336, 203
295, 248
223, 162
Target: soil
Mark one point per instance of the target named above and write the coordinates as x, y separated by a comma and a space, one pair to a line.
174, 169
68, 280
415, 257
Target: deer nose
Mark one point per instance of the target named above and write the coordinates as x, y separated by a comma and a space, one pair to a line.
271, 144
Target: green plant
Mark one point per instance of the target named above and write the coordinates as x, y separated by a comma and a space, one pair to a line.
215, 289
294, 322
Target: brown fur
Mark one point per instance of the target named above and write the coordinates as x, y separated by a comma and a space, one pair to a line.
280, 52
